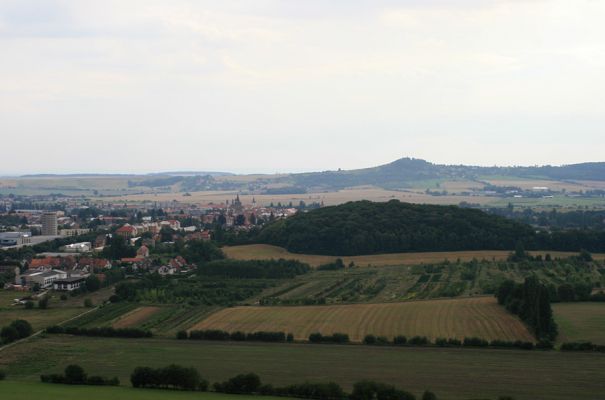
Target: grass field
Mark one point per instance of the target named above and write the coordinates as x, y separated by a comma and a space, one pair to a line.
14, 390
265, 251
58, 311
480, 317
454, 374
580, 322
39, 319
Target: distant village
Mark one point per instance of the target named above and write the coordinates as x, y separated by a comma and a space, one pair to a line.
80, 240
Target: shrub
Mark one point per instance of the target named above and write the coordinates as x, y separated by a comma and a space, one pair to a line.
320, 391
106, 331
399, 340
441, 342
418, 341
369, 390
290, 338
63, 297
9, 334
174, 376
240, 384
75, 375
114, 298
545, 345
238, 336
2, 374
181, 335
474, 342
369, 339
88, 303
23, 328
315, 337
454, 342
29, 304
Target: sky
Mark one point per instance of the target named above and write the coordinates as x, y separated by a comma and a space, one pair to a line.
269, 86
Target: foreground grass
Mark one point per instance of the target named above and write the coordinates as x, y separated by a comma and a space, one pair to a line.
13, 390
452, 373
265, 251
583, 321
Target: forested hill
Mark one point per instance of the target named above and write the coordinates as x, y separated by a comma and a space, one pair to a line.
364, 227
400, 173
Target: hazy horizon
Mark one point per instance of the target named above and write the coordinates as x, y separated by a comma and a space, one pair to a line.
191, 171
296, 86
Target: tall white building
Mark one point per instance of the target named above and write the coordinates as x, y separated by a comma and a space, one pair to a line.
49, 224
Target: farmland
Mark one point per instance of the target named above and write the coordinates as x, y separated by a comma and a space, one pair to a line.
58, 311
13, 390
582, 321
264, 252
459, 318
448, 372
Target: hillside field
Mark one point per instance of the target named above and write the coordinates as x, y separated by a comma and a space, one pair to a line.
479, 317
525, 375
265, 251
583, 321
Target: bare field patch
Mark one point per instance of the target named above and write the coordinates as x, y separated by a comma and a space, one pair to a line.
456, 318
135, 317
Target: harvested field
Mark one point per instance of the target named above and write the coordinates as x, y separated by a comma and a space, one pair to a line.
265, 251
135, 317
481, 317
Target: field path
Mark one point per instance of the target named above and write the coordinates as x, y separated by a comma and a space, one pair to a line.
450, 318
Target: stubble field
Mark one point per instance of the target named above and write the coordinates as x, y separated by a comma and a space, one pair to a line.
457, 318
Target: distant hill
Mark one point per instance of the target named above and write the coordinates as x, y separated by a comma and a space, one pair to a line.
400, 173
364, 227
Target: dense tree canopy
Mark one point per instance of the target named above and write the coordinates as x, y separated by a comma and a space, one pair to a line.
364, 227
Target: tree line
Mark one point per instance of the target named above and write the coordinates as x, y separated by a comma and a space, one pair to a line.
75, 375
215, 334
104, 331
529, 300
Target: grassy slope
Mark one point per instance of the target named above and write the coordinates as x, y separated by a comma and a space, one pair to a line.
12, 390
263, 251
480, 317
452, 373
580, 322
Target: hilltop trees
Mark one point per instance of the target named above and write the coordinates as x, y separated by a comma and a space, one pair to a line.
364, 227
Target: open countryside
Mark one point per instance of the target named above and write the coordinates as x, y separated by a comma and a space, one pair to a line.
471, 317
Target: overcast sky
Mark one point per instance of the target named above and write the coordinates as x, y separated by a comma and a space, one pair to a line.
298, 85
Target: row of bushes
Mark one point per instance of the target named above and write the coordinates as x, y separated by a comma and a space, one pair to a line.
105, 331
170, 377
582, 346
75, 375
343, 338
214, 334
187, 378
18, 329
340, 338
466, 342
